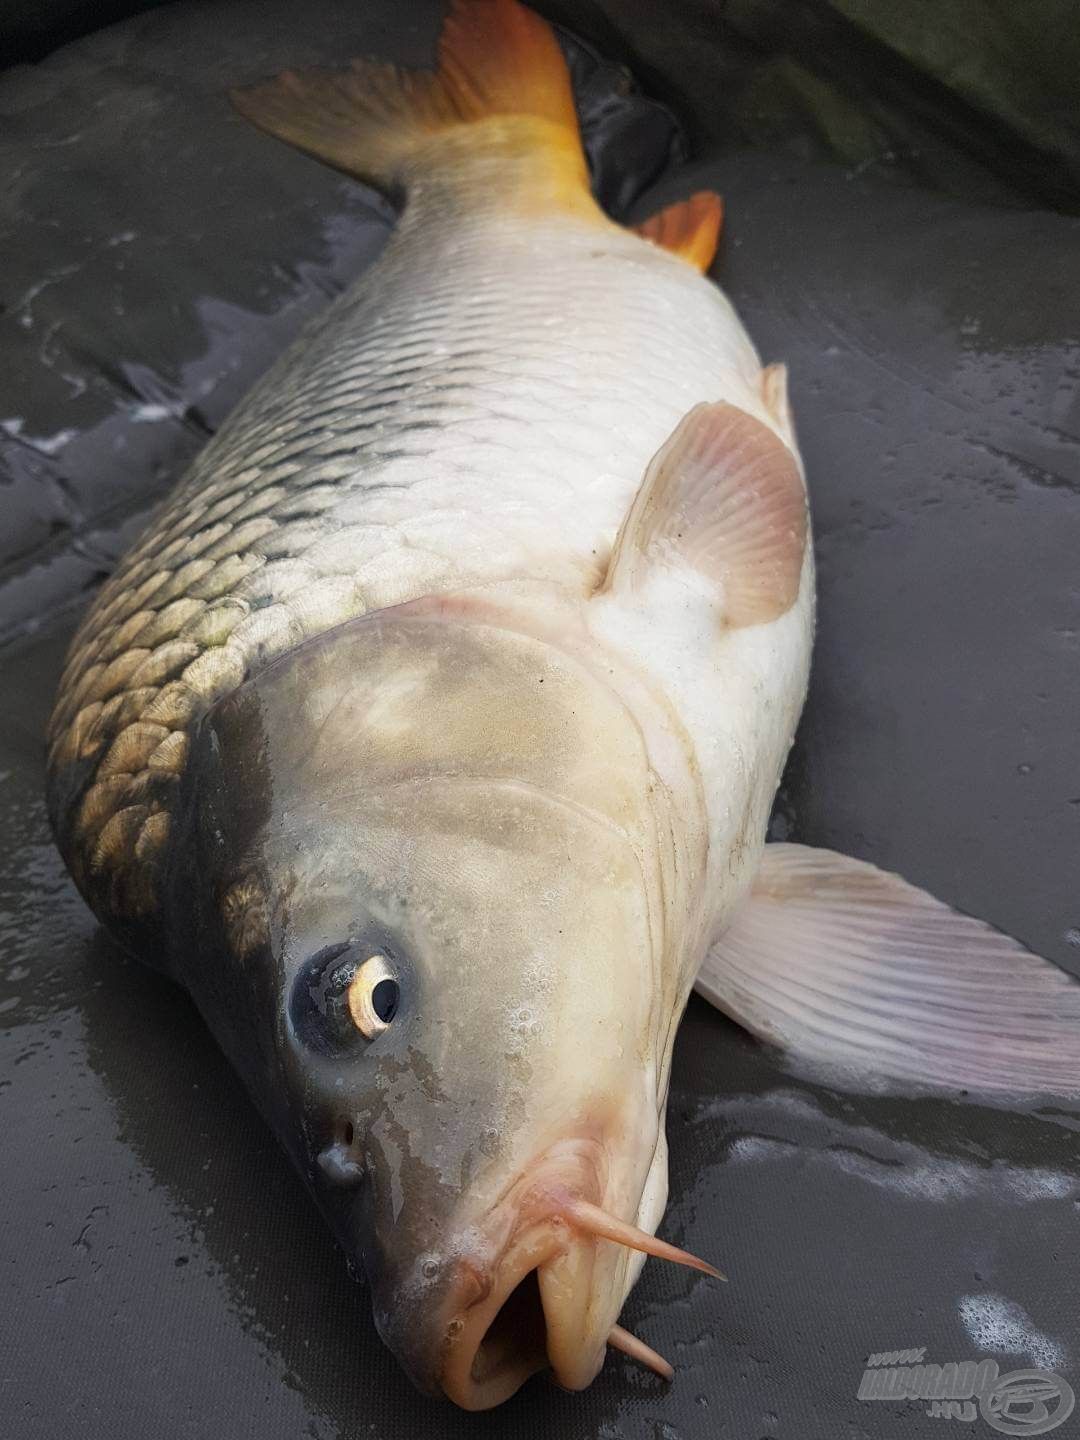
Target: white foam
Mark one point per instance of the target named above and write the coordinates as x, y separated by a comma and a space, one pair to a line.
1003, 1327
759, 1147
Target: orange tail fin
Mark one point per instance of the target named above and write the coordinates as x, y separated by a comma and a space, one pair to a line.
496, 61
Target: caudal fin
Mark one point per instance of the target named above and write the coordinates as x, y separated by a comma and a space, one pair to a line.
497, 61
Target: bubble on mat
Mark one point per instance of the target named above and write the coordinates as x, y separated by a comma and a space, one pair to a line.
760, 1147
1040, 1184
1003, 1327
937, 1180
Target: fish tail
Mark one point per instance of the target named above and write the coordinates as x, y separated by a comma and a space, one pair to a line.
501, 90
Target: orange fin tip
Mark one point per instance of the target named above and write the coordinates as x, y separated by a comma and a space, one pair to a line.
496, 58
689, 228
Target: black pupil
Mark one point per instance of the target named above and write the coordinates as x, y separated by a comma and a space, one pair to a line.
384, 1000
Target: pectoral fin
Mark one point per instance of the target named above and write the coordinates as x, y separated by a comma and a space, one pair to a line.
851, 968
722, 498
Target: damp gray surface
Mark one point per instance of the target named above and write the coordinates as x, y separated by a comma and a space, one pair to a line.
163, 1272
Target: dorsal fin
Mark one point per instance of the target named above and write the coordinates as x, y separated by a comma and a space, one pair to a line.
774, 392
723, 497
689, 228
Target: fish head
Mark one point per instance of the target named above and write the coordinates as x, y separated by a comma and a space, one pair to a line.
447, 894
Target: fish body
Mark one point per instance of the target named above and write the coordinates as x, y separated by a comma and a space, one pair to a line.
487, 425
428, 735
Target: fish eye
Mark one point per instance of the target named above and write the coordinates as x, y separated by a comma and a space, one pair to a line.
344, 992
373, 996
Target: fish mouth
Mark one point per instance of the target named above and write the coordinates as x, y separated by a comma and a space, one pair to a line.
498, 1340
544, 1291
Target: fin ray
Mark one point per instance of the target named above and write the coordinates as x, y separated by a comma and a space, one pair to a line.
496, 59
724, 496
857, 971
774, 391
689, 228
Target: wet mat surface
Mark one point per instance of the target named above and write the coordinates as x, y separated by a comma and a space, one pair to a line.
163, 1270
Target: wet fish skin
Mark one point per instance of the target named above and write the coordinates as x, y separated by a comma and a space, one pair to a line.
456, 1096
476, 437
369, 467
469, 653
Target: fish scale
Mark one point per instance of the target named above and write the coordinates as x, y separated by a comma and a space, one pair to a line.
483, 373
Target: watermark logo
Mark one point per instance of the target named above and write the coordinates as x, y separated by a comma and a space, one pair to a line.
1027, 1402
1022, 1402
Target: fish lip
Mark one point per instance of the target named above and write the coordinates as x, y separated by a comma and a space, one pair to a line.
466, 1329
525, 1232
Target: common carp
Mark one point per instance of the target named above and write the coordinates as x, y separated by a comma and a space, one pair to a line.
429, 734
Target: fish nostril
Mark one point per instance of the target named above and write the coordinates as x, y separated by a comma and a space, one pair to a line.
342, 1160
